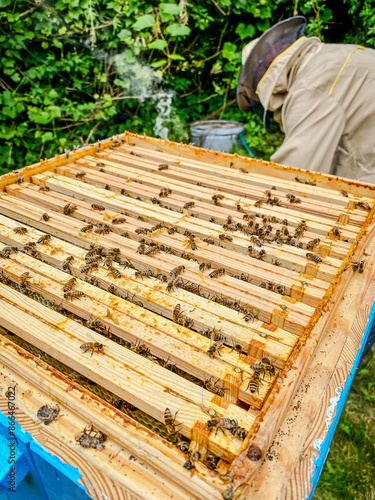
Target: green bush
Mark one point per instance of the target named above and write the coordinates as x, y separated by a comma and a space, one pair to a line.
74, 71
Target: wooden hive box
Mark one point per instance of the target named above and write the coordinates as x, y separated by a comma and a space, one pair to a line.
186, 305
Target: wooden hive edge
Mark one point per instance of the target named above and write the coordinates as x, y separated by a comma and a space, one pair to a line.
81, 407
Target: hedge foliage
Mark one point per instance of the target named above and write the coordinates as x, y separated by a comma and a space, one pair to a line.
74, 71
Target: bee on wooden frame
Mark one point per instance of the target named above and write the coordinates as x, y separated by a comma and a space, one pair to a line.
69, 284
312, 244
189, 204
293, 199
344, 193
165, 192
214, 387
204, 265
225, 237
243, 170
358, 266
66, 263
170, 422
363, 205
24, 277
217, 272
75, 294
92, 347
163, 166
96, 206
20, 230
315, 258
176, 271
336, 231
305, 181
254, 382
112, 271
118, 220
44, 239
216, 199
79, 175
43, 188
45, 217
143, 274
69, 208
215, 345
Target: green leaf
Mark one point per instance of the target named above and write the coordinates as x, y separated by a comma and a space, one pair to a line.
48, 136
124, 34
170, 8
158, 44
11, 112
245, 31
144, 22
62, 30
326, 15
5, 3
176, 29
176, 57
157, 64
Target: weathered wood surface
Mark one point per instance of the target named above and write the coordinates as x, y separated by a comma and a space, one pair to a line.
157, 461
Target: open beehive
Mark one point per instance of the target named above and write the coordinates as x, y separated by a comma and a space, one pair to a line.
168, 297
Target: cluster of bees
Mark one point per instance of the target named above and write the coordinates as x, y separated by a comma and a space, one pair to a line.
260, 371
91, 438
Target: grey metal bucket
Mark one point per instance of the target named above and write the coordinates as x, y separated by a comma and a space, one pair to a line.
219, 135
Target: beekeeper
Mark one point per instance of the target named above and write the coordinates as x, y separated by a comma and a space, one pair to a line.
321, 95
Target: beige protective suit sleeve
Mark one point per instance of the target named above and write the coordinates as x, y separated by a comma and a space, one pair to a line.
313, 125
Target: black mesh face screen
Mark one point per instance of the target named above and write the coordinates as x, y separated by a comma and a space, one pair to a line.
271, 44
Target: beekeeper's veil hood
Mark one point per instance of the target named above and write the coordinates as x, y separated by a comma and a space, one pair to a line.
258, 55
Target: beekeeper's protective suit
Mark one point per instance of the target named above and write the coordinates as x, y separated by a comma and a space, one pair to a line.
322, 96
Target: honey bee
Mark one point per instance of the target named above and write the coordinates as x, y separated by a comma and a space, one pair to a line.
216, 345
88, 227
254, 382
69, 284
192, 242
20, 179
344, 193
225, 237
315, 258
143, 274
20, 230
176, 271
142, 248
89, 267
293, 199
140, 348
214, 387
229, 492
165, 192
336, 231
358, 266
163, 166
216, 199
102, 229
100, 164
66, 263
217, 272
93, 322
92, 347
243, 170
43, 188
112, 271
79, 175
269, 368
170, 422
153, 249
118, 220
44, 239
363, 205
183, 446
96, 206
24, 277
69, 208
48, 413
305, 181
73, 295
190, 204
313, 243
7, 251
209, 241
45, 217
204, 265
193, 457
258, 203
155, 201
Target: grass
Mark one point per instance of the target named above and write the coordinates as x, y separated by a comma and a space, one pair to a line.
349, 472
